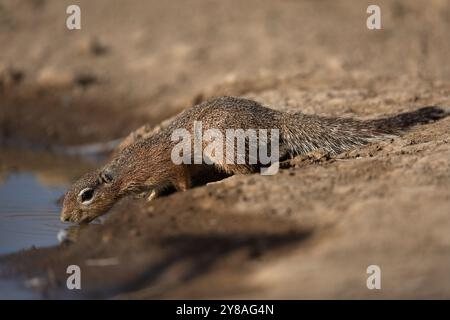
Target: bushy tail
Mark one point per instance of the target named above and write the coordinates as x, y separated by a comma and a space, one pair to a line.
303, 133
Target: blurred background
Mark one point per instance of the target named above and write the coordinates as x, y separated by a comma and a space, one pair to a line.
309, 232
142, 61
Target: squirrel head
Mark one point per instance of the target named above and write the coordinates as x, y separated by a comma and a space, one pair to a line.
90, 197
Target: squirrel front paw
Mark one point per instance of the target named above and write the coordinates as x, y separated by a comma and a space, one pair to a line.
153, 195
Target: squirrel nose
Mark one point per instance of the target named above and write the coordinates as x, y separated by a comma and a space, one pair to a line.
64, 217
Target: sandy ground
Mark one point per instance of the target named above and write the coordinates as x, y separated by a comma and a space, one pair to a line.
310, 231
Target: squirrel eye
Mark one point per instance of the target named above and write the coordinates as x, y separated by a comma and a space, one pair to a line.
86, 195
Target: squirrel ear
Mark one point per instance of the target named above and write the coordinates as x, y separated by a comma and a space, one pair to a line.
106, 176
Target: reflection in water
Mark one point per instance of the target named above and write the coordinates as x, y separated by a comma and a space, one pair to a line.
12, 289
29, 215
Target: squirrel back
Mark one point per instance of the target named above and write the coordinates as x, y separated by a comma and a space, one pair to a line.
146, 165
301, 133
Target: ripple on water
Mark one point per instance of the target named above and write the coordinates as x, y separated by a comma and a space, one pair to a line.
29, 214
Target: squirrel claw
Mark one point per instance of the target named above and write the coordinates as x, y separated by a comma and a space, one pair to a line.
152, 196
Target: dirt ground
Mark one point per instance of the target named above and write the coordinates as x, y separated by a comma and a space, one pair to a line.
310, 231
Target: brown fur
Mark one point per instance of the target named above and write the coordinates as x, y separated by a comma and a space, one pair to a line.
145, 166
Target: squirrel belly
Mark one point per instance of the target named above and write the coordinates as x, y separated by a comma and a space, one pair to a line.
147, 166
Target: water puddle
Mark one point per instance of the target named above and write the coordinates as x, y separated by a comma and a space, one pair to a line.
29, 214
30, 185
12, 289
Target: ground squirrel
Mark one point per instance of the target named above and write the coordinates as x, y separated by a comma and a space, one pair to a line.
145, 166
